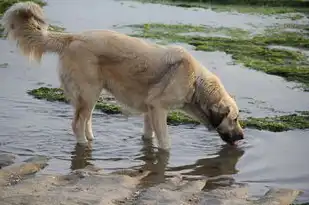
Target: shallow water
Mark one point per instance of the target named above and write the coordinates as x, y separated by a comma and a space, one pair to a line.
30, 127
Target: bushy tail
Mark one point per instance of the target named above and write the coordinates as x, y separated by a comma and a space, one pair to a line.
24, 23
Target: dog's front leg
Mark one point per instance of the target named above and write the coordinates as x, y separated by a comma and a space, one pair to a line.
148, 130
158, 118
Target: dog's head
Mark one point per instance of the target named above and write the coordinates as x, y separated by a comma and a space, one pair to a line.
224, 117
213, 106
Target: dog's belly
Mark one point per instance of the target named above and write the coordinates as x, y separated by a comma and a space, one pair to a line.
133, 98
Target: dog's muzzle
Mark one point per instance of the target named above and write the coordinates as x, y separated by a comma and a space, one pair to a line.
231, 139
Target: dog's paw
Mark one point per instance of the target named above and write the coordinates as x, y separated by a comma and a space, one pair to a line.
147, 136
164, 144
83, 142
90, 137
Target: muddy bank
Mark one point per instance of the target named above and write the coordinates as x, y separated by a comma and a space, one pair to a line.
22, 183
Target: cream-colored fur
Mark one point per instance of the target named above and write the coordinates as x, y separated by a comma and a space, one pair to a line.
149, 78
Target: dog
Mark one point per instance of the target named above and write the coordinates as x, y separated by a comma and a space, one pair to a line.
146, 77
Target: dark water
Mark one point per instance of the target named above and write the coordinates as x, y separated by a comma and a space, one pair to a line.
30, 127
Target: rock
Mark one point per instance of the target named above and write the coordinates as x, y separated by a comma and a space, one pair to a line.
90, 186
79, 187
6, 159
238, 195
278, 196
174, 192
14, 173
37, 159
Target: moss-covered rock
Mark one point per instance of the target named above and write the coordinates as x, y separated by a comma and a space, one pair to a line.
279, 123
1, 31
108, 108
49, 94
4, 65
266, 7
253, 52
56, 94
178, 118
300, 120
56, 28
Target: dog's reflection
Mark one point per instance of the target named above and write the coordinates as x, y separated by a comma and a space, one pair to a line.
216, 169
81, 156
224, 163
155, 161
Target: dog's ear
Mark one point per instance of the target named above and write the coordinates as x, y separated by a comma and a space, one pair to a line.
217, 113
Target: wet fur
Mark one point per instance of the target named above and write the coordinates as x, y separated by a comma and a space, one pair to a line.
145, 77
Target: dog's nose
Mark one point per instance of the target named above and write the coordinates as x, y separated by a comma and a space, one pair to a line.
226, 138
238, 137
231, 138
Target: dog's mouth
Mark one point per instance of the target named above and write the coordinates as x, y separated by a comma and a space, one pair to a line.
231, 140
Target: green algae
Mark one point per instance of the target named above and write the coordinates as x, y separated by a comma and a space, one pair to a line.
179, 118
108, 108
4, 65
1, 31
171, 30
49, 94
57, 95
279, 123
251, 7
300, 120
251, 51
56, 28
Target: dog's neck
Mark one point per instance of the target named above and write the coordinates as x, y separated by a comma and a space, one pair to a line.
207, 89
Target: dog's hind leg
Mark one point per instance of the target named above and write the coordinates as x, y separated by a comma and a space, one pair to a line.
92, 94
83, 98
82, 123
148, 130
79, 121
88, 131
158, 119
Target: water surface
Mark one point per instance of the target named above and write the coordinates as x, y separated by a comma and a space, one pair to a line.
30, 127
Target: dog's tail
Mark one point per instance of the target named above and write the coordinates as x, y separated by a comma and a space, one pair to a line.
24, 23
